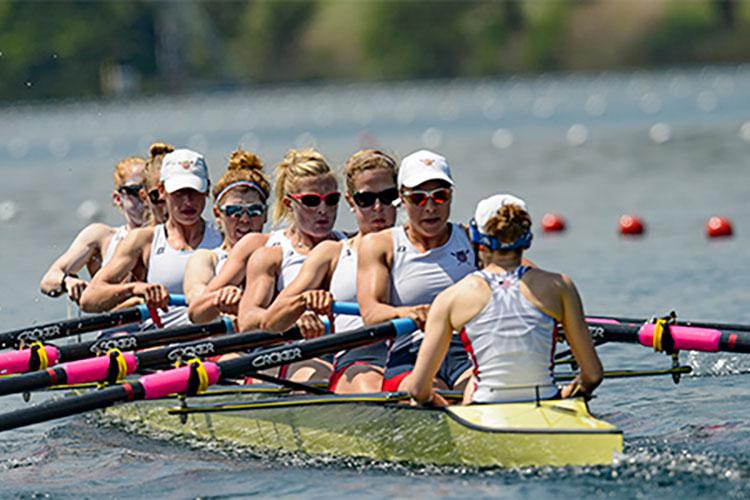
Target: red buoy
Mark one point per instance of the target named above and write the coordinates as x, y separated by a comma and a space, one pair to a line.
718, 227
631, 225
553, 223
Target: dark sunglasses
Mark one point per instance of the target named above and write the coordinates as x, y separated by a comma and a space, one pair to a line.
153, 195
420, 197
312, 200
130, 190
365, 199
253, 210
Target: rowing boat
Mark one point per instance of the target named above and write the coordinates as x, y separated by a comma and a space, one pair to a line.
377, 427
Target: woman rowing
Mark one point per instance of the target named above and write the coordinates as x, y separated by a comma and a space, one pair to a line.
507, 314
156, 256
402, 270
95, 244
307, 196
150, 194
240, 207
330, 271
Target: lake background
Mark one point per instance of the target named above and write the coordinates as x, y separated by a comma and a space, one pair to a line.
672, 146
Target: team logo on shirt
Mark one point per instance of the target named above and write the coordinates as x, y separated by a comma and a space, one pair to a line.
462, 256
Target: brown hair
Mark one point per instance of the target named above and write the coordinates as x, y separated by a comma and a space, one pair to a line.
156, 153
367, 159
296, 165
243, 166
122, 169
508, 224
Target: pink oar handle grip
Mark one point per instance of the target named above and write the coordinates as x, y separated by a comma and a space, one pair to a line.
95, 369
685, 337
159, 385
18, 361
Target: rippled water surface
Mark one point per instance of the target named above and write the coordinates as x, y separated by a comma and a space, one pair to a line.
672, 147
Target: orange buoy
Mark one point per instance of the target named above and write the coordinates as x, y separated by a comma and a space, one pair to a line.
553, 223
718, 227
631, 225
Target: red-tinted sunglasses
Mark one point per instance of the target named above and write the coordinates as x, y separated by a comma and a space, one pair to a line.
312, 200
419, 197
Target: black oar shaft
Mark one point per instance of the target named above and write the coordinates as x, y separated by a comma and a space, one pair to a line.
66, 328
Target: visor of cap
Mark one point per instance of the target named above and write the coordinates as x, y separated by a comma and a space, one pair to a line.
190, 181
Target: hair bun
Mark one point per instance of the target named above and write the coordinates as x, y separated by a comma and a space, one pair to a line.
244, 160
159, 148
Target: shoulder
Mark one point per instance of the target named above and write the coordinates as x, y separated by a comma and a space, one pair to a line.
328, 248
380, 240
202, 255
467, 290
265, 258
249, 243
96, 232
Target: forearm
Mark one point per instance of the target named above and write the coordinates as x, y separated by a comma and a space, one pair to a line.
380, 312
103, 297
251, 318
283, 313
203, 309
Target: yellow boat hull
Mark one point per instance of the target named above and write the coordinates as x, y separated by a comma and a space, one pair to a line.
550, 433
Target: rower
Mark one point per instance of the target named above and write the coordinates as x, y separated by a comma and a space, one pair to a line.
156, 256
240, 198
507, 314
401, 270
157, 209
330, 272
96, 243
306, 195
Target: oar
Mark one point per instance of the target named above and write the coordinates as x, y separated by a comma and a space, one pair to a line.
68, 327
196, 377
114, 366
41, 357
729, 327
667, 337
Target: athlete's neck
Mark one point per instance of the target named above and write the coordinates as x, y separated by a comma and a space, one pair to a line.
301, 240
182, 237
502, 262
423, 243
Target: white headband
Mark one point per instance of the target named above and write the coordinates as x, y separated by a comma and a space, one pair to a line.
250, 184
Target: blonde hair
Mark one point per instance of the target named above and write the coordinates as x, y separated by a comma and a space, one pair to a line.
367, 159
156, 153
122, 169
508, 224
243, 166
296, 165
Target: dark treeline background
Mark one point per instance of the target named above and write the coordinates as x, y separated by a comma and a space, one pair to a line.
78, 49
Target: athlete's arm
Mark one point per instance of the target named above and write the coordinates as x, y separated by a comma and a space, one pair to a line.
262, 269
85, 245
198, 272
579, 340
451, 310
293, 301
233, 270
107, 290
374, 282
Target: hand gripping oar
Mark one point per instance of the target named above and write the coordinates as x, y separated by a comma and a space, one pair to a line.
68, 327
197, 376
115, 364
41, 357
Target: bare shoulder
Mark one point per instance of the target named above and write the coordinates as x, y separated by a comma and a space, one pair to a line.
469, 291
376, 243
249, 244
202, 256
95, 232
327, 250
264, 259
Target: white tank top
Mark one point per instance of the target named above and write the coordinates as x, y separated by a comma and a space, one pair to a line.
221, 258
291, 260
510, 343
167, 265
344, 287
119, 235
418, 277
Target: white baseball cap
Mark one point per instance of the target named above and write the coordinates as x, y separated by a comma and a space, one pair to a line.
488, 207
423, 166
183, 168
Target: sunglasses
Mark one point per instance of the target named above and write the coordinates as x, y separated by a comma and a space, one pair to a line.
420, 197
365, 199
153, 195
132, 190
312, 200
253, 210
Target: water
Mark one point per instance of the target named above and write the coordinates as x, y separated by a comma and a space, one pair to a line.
670, 146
